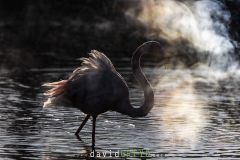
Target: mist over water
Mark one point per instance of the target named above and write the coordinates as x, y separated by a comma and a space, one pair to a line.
195, 80
199, 45
197, 28
199, 56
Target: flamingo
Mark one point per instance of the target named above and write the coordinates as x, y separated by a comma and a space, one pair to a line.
96, 87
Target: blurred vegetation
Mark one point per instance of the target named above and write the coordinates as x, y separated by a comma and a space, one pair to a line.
42, 31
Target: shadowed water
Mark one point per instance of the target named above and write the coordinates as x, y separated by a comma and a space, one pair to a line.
192, 121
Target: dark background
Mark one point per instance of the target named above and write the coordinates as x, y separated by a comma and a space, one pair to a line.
34, 31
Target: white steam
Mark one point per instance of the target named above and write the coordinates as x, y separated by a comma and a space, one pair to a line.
203, 24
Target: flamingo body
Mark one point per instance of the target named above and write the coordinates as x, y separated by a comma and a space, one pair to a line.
96, 87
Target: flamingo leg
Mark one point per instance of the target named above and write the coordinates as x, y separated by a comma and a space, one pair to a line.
93, 133
81, 126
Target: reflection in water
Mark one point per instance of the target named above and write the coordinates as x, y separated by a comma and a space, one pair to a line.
190, 118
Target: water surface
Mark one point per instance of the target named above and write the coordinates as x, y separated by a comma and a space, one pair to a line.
193, 120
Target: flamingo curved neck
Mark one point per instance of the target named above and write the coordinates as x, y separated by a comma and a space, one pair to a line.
147, 105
